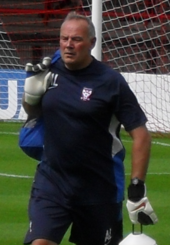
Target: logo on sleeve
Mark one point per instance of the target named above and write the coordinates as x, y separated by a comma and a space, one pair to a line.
54, 81
86, 93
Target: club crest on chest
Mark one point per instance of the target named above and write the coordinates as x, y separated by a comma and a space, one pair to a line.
86, 93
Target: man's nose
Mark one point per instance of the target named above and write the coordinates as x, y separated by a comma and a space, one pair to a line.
69, 43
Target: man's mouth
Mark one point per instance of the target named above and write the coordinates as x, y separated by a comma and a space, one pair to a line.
69, 54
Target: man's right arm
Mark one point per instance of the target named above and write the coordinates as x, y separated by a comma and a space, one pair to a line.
38, 79
33, 111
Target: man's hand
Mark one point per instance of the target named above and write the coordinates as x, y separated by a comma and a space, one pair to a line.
138, 206
141, 212
37, 81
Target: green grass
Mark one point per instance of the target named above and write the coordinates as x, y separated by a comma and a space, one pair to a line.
14, 191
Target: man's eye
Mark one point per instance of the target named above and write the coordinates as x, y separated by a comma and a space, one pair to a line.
64, 38
77, 39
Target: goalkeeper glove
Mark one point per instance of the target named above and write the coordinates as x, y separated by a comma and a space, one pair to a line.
138, 206
37, 81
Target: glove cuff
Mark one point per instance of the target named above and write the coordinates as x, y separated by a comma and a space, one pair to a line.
136, 190
32, 99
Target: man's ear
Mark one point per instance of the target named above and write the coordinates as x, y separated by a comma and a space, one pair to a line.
93, 42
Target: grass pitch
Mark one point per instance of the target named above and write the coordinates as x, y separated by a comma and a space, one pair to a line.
16, 175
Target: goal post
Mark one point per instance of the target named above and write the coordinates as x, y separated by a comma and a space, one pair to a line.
133, 37
96, 17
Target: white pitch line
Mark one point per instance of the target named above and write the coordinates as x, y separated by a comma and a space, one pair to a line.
13, 133
153, 142
164, 173
16, 176
31, 177
160, 143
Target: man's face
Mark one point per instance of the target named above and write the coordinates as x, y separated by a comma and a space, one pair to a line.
75, 44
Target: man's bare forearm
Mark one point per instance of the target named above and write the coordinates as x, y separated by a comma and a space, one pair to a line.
31, 110
140, 152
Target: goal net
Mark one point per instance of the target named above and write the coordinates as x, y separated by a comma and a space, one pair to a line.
135, 42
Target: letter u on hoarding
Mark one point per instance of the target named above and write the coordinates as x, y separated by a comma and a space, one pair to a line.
11, 95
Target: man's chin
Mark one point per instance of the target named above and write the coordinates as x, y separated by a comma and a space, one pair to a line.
70, 64
69, 58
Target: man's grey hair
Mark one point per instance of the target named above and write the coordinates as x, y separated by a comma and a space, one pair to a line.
75, 16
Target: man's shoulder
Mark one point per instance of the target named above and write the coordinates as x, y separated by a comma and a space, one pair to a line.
108, 72
57, 66
103, 67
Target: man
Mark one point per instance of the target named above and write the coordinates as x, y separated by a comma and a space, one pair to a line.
80, 181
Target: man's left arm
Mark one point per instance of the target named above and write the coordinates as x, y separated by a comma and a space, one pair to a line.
139, 208
140, 152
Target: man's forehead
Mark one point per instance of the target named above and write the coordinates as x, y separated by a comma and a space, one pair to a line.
74, 24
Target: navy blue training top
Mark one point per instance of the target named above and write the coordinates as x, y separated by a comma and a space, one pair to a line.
83, 111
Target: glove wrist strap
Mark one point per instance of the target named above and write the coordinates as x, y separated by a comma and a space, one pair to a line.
136, 190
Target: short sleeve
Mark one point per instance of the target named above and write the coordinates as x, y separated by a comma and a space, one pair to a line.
129, 113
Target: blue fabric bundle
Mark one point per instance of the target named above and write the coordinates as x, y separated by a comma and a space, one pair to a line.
31, 135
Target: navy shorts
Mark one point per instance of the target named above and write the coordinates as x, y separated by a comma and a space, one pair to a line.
50, 218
